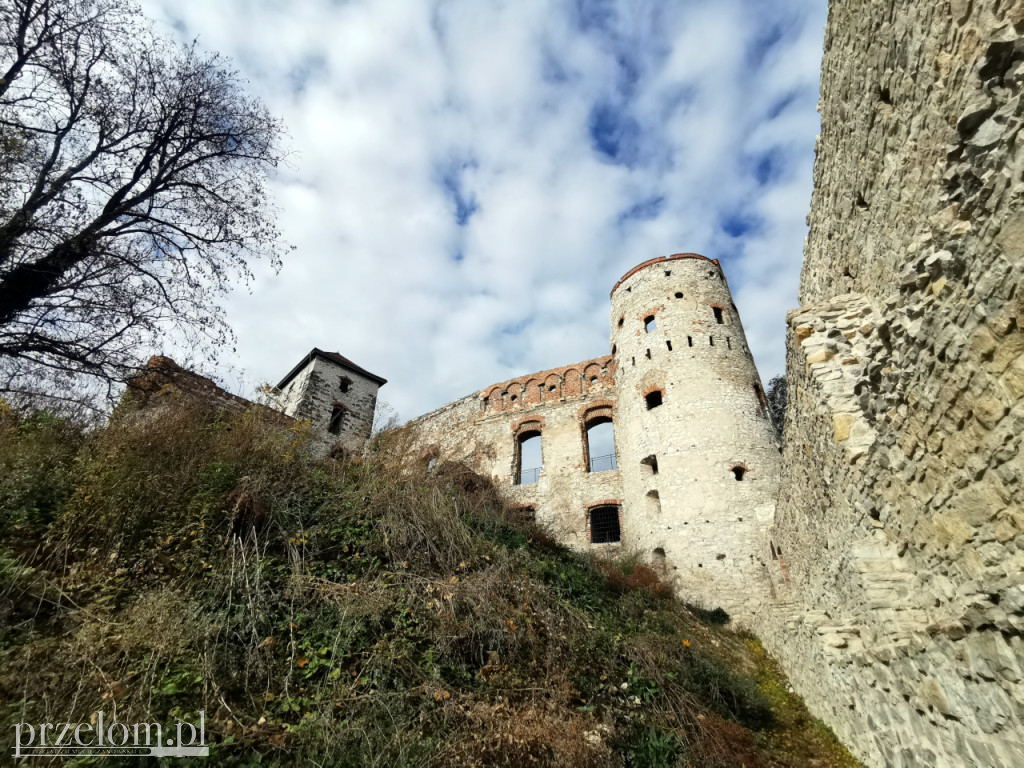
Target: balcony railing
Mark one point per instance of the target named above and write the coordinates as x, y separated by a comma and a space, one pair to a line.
603, 463
529, 476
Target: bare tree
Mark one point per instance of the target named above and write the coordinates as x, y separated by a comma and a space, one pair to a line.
133, 178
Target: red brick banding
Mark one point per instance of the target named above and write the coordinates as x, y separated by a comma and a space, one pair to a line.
661, 259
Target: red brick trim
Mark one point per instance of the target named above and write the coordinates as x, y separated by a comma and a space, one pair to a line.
595, 405
651, 388
605, 503
521, 424
662, 259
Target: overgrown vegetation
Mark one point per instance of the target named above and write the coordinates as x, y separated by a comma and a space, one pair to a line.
348, 614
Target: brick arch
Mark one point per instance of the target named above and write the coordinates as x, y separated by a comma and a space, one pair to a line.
572, 383
493, 398
592, 371
554, 380
646, 390
527, 424
596, 405
513, 390
531, 393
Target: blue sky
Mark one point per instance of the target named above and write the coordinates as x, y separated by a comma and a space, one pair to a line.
469, 179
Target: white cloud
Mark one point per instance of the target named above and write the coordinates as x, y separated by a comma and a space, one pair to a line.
408, 117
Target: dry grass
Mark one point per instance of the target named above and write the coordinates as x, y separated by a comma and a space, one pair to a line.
340, 612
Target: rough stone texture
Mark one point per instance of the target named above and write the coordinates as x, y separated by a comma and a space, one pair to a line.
480, 430
713, 419
693, 518
335, 395
162, 383
901, 613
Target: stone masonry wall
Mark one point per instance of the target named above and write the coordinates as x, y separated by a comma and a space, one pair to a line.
705, 511
315, 391
901, 614
480, 430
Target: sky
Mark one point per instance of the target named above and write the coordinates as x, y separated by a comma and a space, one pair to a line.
469, 178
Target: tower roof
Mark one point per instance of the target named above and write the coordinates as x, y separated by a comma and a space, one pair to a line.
673, 257
334, 357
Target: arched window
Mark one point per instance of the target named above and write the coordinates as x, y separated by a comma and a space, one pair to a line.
738, 471
599, 437
604, 525
529, 457
719, 316
650, 324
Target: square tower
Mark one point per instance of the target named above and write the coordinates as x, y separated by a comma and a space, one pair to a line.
337, 396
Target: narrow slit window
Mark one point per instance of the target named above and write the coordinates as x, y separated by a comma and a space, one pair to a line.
653, 399
711, 341
689, 340
337, 415
650, 324
648, 354
718, 315
604, 525
669, 345
728, 342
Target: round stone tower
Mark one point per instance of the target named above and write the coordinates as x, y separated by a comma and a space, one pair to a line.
698, 454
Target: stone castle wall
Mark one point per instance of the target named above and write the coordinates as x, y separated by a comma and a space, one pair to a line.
481, 431
717, 455
901, 504
680, 501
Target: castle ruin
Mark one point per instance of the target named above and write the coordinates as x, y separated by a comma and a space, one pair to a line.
692, 477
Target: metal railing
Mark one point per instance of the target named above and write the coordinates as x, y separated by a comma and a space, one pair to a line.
529, 476
603, 463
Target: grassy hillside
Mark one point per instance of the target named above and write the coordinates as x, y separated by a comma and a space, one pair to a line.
349, 613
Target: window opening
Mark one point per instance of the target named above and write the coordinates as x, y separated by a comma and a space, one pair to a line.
344, 383
648, 354
669, 345
337, 414
653, 503
650, 324
689, 340
728, 342
653, 399
530, 458
604, 525
718, 315
600, 437
738, 472
650, 465
711, 341
668, 273
621, 321
679, 294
